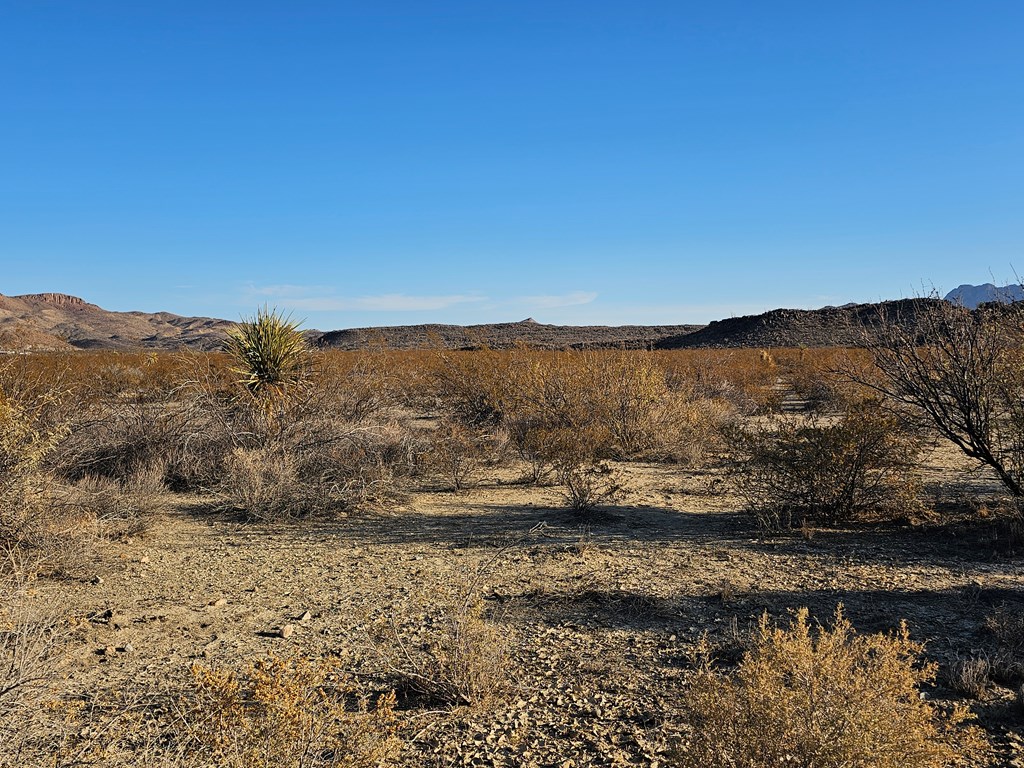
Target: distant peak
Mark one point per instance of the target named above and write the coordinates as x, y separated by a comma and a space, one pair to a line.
58, 299
528, 321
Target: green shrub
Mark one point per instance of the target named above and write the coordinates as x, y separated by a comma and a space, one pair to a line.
270, 356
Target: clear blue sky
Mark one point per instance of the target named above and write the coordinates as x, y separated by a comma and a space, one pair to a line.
581, 162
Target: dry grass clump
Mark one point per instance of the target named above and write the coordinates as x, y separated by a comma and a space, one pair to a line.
121, 507
970, 676
821, 698
460, 659
281, 714
793, 472
28, 665
317, 469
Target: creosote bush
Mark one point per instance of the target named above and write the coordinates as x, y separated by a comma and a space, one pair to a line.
858, 465
811, 697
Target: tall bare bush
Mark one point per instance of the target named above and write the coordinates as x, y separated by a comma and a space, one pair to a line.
961, 373
817, 470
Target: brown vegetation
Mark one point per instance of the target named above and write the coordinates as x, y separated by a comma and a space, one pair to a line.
807, 696
100, 451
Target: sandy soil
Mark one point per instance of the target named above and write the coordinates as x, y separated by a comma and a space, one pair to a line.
602, 616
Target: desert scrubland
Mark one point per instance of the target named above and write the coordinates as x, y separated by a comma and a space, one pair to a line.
733, 557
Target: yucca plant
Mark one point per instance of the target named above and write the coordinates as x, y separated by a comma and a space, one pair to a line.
271, 357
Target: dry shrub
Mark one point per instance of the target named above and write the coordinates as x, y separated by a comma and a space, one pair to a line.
746, 379
461, 659
457, 452
121, 507
1006, 661
35, 521
319, 468
281, 714
29, 663
1007, 627
970, 676
472, 386
587, 484
821, 698
357, 386
264, 484
792, 472
959, 372
118, 439
299, 713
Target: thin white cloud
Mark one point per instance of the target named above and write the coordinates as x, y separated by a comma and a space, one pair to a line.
390, 302
322, 298
573, 299
287, 291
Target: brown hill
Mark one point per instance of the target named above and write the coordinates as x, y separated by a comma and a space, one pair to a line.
70, 320
504, 336
21, 337
827, 327
55, 320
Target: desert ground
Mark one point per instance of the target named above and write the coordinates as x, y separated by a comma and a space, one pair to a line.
592, 621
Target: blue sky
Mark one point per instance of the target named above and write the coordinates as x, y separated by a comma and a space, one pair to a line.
579, 162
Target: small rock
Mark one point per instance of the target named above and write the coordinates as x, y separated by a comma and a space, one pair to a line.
107, 650
218, 602
286, 631
306, 616
127, 648
143, 559
97, 579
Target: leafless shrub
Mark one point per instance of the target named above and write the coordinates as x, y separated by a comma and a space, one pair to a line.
792, 472
1007, 627
587, 484
457, 452
29, 663
959, 371
318, 468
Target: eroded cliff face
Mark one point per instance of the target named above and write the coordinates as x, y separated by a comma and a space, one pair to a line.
62, 300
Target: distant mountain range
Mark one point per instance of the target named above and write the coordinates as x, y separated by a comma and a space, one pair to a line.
971, 296
56, 321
